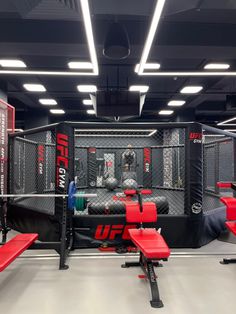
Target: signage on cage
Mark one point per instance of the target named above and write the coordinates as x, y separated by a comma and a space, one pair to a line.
110, 232
3, 148
62, 159
147, 159
197, 208
40, 159
195, 137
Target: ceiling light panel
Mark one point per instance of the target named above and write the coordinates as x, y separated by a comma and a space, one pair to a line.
48, 101
217, 66
80, 65
87, 88
166, 112
191, 89
87, 102
139, 88
176, 103
34, 87
12, 63
57, 111
90, 111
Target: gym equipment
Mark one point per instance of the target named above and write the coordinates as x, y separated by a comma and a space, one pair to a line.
111, 183
15, 247
100, 163
150, 243
72, 195
129, 184
230, 203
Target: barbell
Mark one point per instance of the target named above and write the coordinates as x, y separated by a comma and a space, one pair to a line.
72, 196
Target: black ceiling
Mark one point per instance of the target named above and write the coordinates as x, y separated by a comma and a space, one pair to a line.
47, 34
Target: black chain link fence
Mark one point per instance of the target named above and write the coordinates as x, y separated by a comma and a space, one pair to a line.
218, 165
107, 162
32, 170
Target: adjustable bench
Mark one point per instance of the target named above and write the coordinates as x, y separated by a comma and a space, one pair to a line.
230, 203
15, 247
149, 242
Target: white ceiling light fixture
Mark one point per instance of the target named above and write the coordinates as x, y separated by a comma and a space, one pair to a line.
165, 112
48, 101
191, 89
176, 103
148, 66
57, 111
89, 34
87, 88
34, 87
139, 88
230, 130
80, 65
161, 74
90, 111
217, 66
151, 34
87, 102
12, 63
226, 122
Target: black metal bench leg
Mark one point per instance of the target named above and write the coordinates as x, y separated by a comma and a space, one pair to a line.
156, 301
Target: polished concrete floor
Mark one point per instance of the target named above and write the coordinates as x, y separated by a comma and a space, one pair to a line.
188, 284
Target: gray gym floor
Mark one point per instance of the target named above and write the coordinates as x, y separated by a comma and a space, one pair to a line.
97, 284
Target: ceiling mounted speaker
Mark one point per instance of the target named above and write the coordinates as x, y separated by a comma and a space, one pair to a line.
116, 44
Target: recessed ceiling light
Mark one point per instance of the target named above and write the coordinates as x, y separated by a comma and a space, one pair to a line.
139, 88
151, 34
87, 88
176, 103
226, 122
191, 89
89, 34
217, 66
87, 102
48, 101
80, 65
34, 87
12, 63
165, 112
148, 66
57, 111
90, 111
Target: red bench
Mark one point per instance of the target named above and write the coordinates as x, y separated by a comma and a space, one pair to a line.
230, 203
13, 248
150, 243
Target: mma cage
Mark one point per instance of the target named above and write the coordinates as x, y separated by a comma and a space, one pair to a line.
179, 162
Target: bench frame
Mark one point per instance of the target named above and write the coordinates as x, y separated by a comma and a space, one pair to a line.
147, 266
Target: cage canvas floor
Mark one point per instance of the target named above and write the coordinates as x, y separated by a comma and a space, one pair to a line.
100, 285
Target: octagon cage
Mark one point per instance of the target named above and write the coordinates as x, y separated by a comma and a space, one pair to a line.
178, 163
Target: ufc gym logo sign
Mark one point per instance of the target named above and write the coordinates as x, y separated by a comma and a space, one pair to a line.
110, 232
146, 159
195, 137
40, 159
62, 161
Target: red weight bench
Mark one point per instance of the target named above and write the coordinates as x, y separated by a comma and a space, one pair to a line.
15, 247
149, 242
230, 203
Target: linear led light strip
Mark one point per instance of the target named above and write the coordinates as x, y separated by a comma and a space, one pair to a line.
89, 34
226, 122
68, 73
150, 132
151, 34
